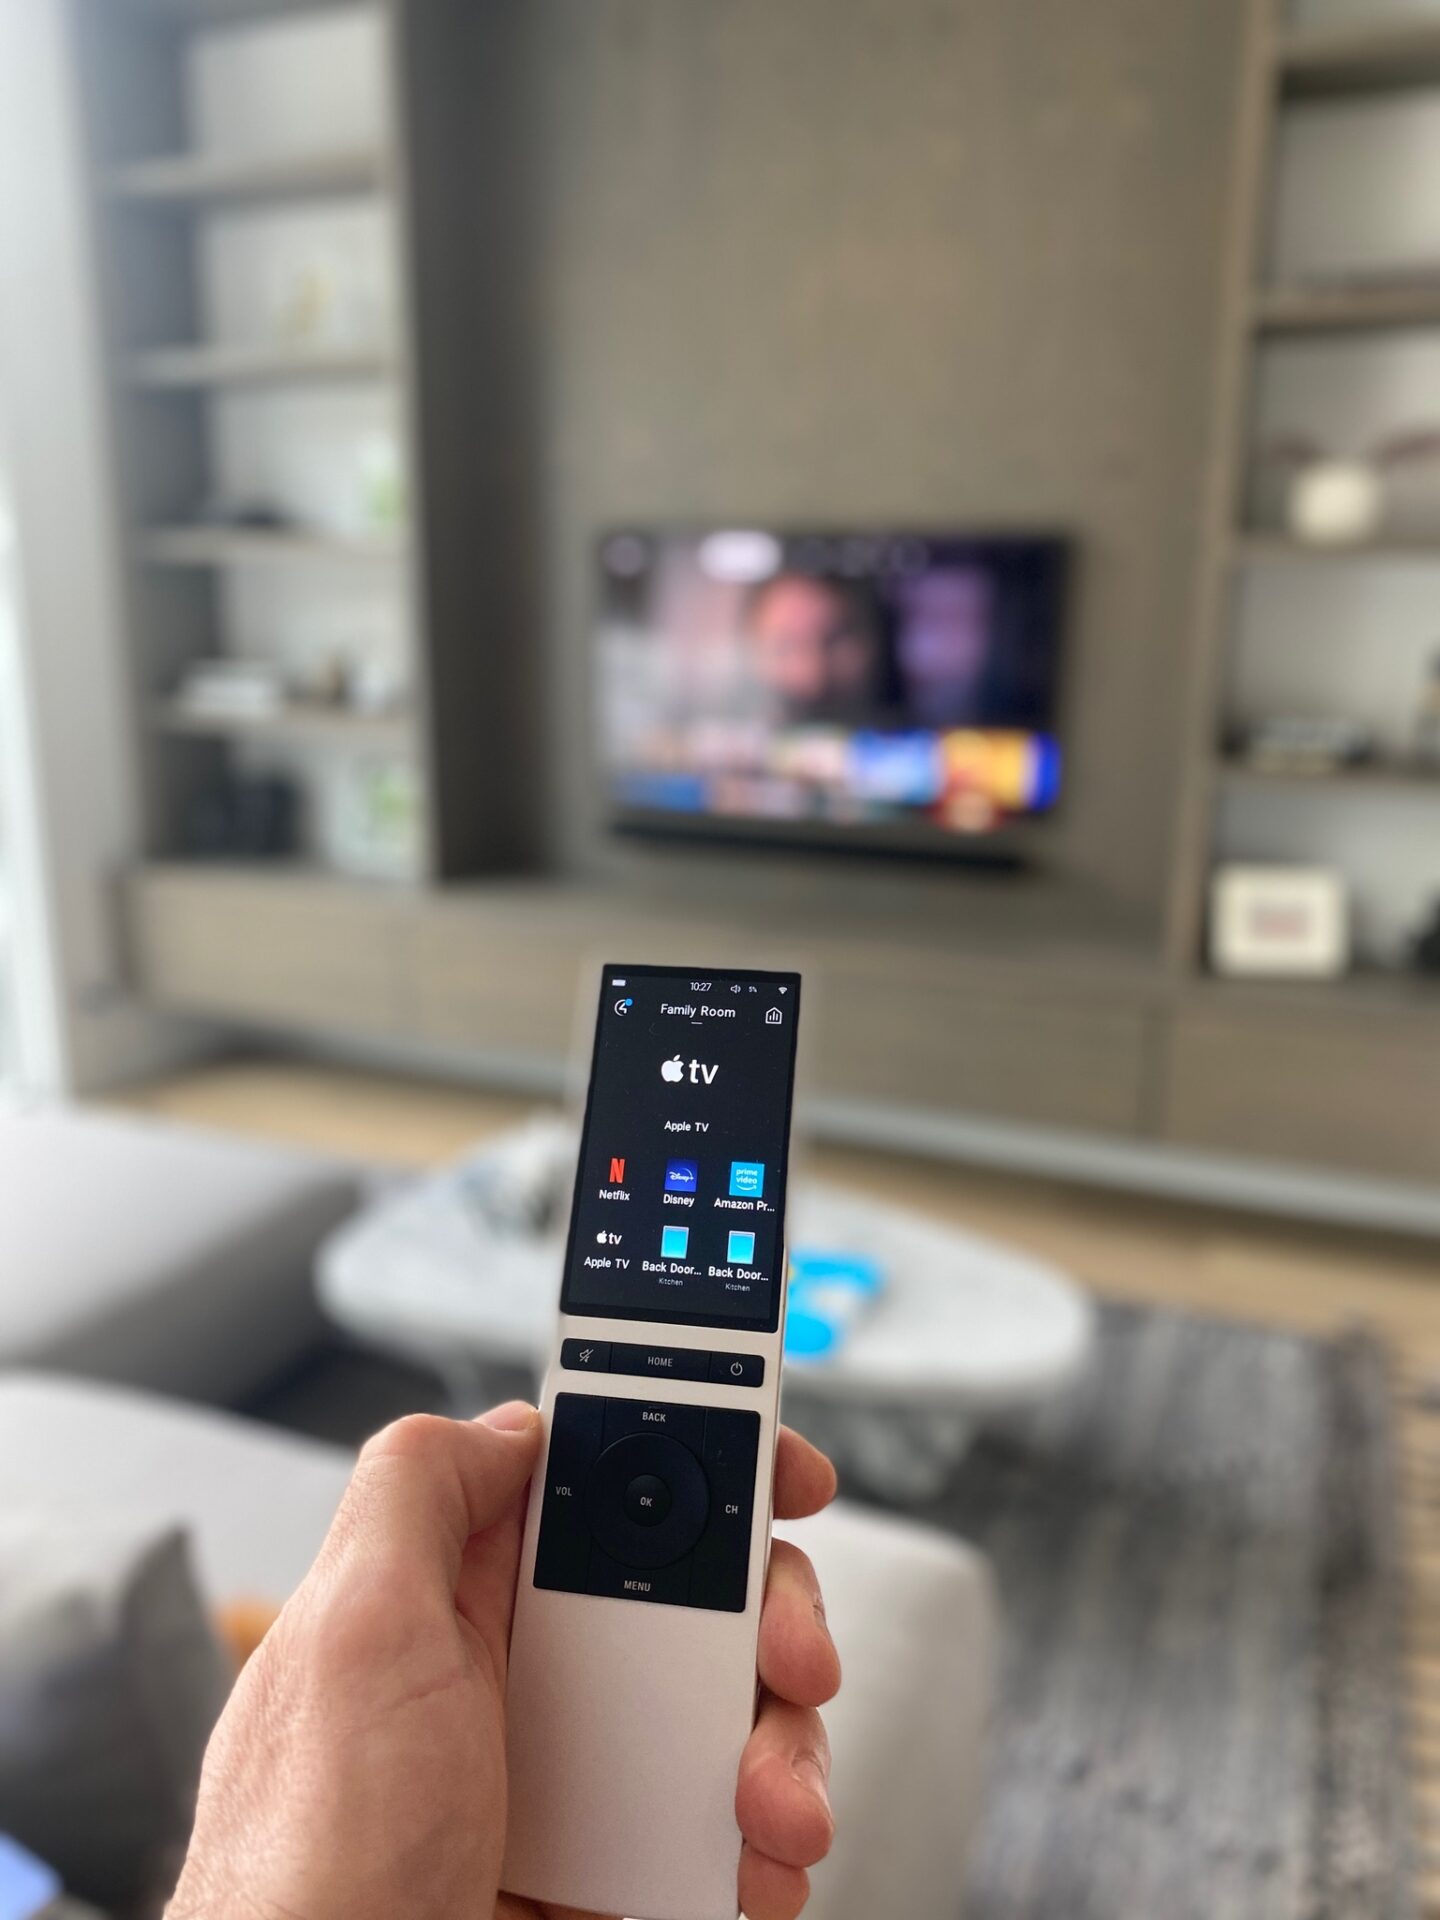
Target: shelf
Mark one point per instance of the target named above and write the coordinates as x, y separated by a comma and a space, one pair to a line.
179, 369
1384, 547
1369, 777
214, 13
320, 724
1355, 308
1401, 53
190, 180
256, 546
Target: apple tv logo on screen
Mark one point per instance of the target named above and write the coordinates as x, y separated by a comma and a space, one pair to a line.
675, 1071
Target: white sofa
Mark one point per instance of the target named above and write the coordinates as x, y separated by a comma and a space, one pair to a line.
157, 1255
912, 1611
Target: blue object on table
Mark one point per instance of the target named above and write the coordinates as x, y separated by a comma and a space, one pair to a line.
27, 1885
828, 1293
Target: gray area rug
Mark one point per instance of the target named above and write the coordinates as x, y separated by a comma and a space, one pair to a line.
1201, 1711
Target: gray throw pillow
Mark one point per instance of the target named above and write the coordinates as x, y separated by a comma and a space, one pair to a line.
110, 1681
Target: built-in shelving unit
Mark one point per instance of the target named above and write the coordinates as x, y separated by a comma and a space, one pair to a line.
1287, 68
254, 272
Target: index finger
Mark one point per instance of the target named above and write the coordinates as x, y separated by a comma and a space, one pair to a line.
804, 1478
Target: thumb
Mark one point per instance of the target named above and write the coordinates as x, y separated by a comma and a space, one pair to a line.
423, 1486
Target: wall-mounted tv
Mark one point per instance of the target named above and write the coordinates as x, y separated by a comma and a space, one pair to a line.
896, 688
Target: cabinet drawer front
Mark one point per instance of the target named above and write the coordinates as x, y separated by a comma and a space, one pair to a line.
1365, 1099
1049, 1060
267, 950
485, 986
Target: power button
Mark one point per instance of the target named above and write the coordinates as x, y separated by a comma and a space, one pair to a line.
737, 1369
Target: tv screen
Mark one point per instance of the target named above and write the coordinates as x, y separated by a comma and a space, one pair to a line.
899, 686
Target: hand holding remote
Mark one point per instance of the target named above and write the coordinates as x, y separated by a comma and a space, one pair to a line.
359, 1768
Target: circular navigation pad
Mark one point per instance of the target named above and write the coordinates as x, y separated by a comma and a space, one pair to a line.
648, 1500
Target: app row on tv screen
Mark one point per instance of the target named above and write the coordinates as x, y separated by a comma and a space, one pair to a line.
847, 679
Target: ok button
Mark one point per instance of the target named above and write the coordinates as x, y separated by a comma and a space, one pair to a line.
647, 1500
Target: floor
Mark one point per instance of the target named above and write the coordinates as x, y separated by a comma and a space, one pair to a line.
1286, 1274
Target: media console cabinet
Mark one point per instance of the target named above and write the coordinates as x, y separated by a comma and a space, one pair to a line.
1077, 1033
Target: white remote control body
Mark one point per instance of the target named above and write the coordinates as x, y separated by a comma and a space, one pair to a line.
632, 1659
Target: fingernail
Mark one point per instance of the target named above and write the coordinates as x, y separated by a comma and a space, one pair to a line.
516, 1416
808, 1770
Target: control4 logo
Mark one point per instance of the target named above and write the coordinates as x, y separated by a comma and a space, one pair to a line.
675, 1070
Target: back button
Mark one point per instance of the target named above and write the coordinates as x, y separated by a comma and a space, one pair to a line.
624, 1417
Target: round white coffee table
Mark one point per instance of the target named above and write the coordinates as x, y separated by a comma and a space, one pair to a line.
460, 1272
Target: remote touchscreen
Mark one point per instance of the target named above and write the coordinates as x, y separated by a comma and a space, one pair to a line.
680, 1191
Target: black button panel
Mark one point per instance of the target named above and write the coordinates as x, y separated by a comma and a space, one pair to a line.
663, 1363
649, 1501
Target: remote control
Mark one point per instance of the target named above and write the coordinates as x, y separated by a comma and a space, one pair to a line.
632, 1657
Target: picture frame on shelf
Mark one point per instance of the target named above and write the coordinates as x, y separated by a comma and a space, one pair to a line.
1279, 923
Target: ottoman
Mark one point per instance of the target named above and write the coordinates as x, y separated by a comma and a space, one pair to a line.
138, 1251
912, 1610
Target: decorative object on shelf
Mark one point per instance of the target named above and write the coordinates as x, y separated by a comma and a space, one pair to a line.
377, 820
330, 294
244, 817
304, 301
383, 501
1337, 500
342, 682
1279, 923
1427, 717
375, 688
1304, 743
324, 680
1425, 949
232, 689
244, 516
